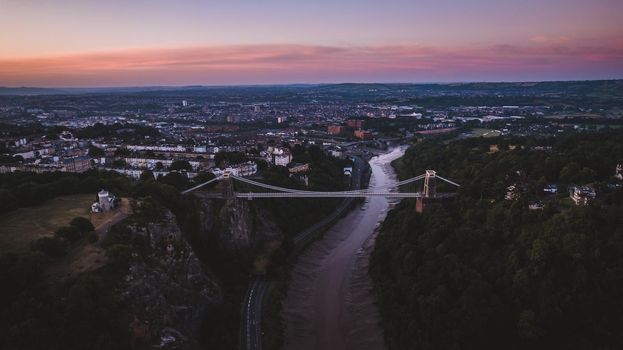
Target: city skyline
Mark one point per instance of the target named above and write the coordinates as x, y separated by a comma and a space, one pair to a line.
93, 44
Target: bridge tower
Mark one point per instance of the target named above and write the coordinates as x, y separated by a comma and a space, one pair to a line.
228, 185
430, 188
429, 193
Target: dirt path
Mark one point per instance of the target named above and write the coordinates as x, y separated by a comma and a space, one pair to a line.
104, 221
329, 303
88, 256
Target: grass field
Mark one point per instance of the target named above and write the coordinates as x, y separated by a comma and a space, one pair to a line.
485, 132
18, 228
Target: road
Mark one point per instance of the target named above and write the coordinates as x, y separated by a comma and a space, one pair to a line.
251, 318
251, 321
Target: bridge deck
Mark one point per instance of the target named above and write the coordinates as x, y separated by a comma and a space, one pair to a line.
251, 195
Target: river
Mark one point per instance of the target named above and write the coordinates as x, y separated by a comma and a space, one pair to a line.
330, 302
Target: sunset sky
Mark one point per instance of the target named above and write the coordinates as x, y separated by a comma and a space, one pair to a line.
88, 43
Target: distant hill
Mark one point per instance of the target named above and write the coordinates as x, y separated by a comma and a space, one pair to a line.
593, 88
29, 91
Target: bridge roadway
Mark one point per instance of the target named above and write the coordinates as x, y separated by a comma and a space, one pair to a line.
251, 195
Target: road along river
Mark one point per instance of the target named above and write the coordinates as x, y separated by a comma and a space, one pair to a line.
330, 303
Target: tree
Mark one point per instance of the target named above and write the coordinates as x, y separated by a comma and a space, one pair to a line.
147, 175
225, 158
70, 234
175, 179
82, 224
96, 152
204, 177
122, 152
50, 246
181, 165
119, 252
119, 163
497, 272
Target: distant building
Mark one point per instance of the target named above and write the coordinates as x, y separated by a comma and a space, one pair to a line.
536, 206
551, 189
281, 120
282, 159
105, 202
66, 136
243, 169
512, 193
582, 195
77, 164
336, 130
336, 151
355, 123
363, 134
184, 103
233, 119
299, 168
303, 178
278, 155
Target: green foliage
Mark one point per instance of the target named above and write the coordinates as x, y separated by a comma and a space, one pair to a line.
69, 234
295, 214
27, 189
227, 158
50, 246
181, 165
204, 177
147, 175
96, 152
128, 132
175, 179
82, 224
119, 252
483, 273
39, 314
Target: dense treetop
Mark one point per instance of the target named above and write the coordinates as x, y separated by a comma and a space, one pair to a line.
485, 273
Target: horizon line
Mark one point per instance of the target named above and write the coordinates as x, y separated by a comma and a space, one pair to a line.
308, 84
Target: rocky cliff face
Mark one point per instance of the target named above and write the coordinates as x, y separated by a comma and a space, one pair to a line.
168, 289
167, 285
237, 223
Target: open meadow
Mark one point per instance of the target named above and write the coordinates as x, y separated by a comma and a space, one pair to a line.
18, 228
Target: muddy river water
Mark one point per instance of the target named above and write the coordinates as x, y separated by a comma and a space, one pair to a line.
330, 303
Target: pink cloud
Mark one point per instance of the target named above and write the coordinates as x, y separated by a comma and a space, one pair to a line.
274, 63
542, 39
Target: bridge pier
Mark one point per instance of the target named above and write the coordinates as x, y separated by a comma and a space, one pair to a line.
228, 186
419, 205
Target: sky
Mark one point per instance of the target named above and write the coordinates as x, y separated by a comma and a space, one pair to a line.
93, 43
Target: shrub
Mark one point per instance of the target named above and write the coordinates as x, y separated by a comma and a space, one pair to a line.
70, 234
50, 246
82, 224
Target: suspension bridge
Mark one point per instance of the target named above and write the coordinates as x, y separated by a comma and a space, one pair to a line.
251, 330
391, 191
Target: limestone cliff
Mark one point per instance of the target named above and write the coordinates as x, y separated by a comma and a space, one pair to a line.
237, 223
168, 289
